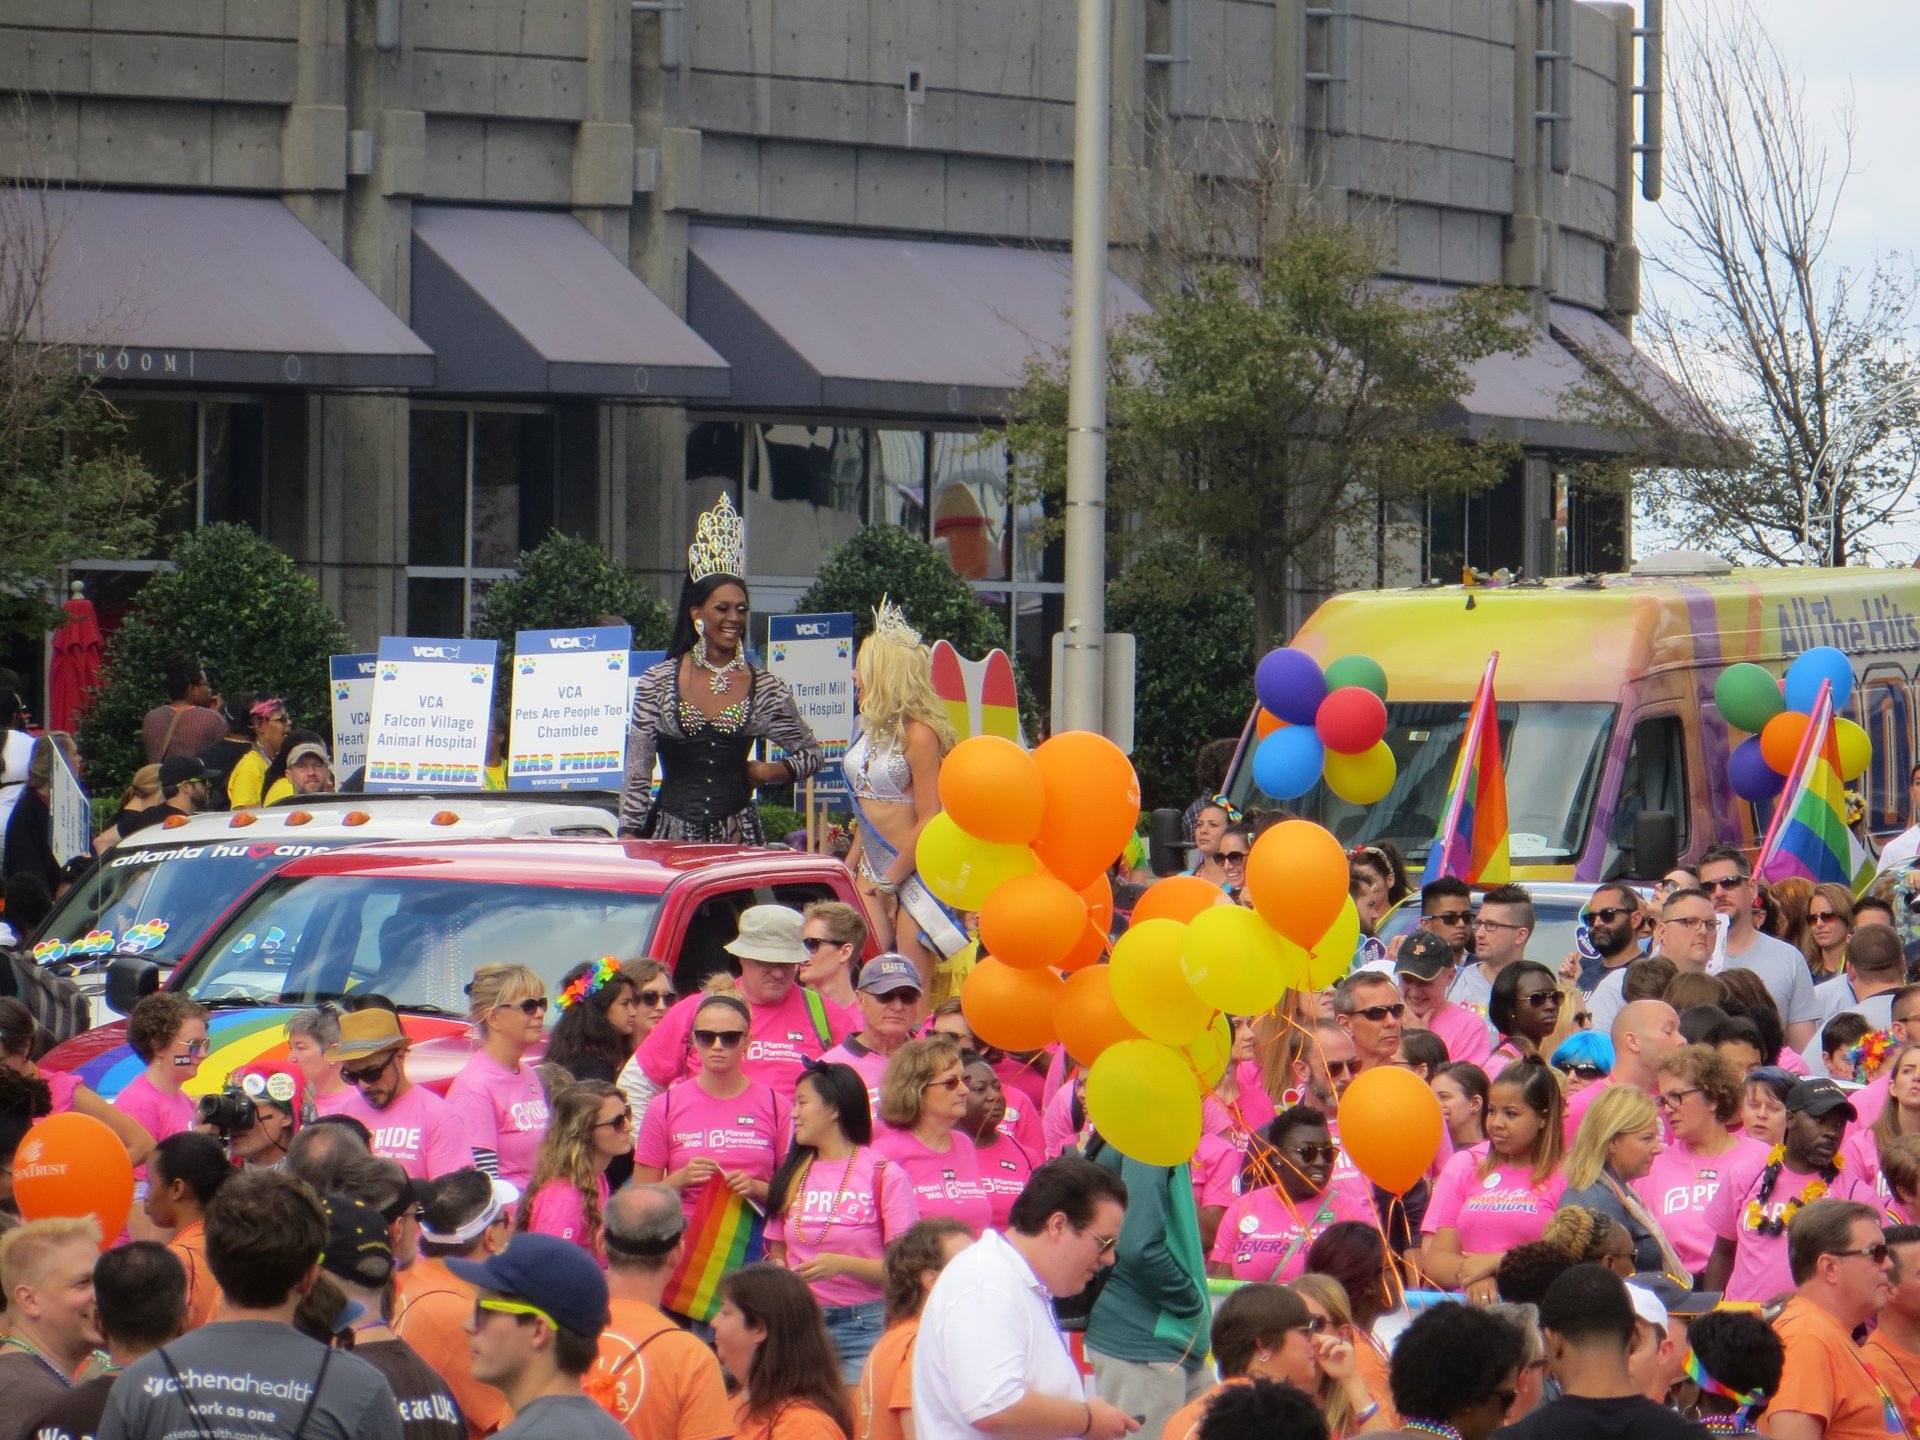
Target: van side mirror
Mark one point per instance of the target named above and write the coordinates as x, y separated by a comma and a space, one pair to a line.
130, 980
1656, 843
1166, 843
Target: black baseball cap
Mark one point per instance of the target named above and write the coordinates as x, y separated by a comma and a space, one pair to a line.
1818, 1098
554, 1276
357, 1246
178, 770
1423, 955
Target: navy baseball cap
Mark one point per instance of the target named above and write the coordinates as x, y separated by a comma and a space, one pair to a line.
553, 1275
887, 973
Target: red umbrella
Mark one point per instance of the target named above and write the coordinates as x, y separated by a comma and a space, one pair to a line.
76, 664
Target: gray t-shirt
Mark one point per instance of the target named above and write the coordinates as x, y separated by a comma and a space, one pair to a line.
249, 1380
1471, 986
1784, 969
561, 1417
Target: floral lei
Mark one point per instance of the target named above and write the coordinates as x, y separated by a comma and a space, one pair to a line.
1756, 1220
589, 983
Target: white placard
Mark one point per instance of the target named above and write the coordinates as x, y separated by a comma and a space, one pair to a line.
72, 815
432, 700
351, 688
813, 654
570, 709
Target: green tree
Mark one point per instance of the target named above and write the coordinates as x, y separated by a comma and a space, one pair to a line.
1193, 676
565, 582
1266, 409
886, 560
242, 609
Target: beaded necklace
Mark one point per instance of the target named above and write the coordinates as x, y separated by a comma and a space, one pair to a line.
1431, 1427
846, 1177
719, 676
16, 1341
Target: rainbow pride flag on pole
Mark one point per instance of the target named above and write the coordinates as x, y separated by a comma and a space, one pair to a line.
1809, 835
1471, 843
724, 1232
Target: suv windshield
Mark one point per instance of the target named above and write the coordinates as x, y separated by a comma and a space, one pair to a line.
1553, 752
158, 900
303, 939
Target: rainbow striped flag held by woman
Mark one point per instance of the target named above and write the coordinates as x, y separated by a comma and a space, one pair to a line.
1471, 843
724, 1232
1809, 835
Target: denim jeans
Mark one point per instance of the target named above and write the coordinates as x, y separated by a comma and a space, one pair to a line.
854, 1329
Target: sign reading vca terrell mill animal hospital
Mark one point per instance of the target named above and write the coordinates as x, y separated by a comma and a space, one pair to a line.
432, 700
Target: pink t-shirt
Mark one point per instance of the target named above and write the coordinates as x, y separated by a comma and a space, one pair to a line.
559, 1210
870, 1067
944, 1182
505, 1111
162, 1114
1027, 1077
1494, 1212
419, 1130
1578, 1105
337, 1103
1215, 1170
1056, 1123
1868, 1102
1004, 1167
1265, 1236
1256, 1113
740, 1132
1861, 1156
63, 1086
1022, 1121
1760, 1269
780, 1039
1464, 1032
1679, 1186
845, 1207
1789, 1059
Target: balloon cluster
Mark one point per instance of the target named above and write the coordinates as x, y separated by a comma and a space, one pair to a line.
1316, 723
1776, 713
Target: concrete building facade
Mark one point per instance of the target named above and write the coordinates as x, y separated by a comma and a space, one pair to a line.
405, 283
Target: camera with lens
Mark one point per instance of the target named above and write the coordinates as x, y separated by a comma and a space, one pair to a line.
229, 1111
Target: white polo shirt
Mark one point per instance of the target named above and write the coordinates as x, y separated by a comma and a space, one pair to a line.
987, 1339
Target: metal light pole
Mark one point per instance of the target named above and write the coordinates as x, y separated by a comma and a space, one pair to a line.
1084, 660
1848, 444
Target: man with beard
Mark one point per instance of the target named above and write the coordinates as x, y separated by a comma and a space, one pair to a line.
1609, 918
1685, 936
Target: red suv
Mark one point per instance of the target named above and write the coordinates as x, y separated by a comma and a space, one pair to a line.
413, 921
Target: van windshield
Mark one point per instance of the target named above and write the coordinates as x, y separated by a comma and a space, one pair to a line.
1554, 751
158, 900
303, 939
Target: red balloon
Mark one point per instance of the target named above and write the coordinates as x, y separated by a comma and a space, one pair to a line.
72, 1165
1351, 720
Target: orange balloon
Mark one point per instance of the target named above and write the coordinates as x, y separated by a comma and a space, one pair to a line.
1096, 936
1297, 876
1085, 1017
1390, 1127
992, 789
1780, 740
1032, 921
1092, 805
1099, 898
1010, 1008
1265, 723
1177, 897
71, 1165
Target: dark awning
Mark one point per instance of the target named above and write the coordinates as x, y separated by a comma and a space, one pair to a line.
1691, 428
865, 326
214, 289
527, 302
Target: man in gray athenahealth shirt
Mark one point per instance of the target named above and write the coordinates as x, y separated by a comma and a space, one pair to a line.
250, 1375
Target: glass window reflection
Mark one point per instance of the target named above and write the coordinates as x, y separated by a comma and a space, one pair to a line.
969, 497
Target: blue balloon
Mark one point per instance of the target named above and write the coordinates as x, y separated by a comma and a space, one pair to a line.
1823, 662
1291, 685
1287, 764
1752, 777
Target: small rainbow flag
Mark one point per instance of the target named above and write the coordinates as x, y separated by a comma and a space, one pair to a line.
1809, 834
723, 1233
1472, 840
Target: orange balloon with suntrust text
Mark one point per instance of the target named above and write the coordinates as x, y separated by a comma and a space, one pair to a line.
72, 1166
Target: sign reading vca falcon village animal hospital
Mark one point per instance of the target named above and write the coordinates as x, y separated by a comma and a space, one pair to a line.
432, 699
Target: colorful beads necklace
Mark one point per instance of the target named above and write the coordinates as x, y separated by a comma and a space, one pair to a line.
846, 1177
1757, 1219
1431, 1427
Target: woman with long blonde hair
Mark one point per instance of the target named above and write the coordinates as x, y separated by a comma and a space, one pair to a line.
1350, 1407
568, 1193
1619, 1137
893, 776
497, 1098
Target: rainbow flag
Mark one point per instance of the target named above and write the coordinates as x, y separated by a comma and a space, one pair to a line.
723, 1233
1809, 834
1472, 840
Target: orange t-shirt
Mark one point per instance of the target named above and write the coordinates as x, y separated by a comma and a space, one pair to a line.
796, 1420
1826, 1376
886, 1384
190, 1248
1899, 1371
656, 1379
433, 1316
1371, 1366
1185, 1421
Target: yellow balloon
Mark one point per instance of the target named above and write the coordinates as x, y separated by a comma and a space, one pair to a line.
1856, 749
1233, 961
963, 871
1144, 1100
1362, 779
1332, 955
1150, 988
1210, 1054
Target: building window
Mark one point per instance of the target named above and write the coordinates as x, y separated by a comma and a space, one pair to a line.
481, 490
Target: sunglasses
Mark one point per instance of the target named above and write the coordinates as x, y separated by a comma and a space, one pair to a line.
482, 1308
1541, 999
622, 1121
198, 1047
1730, 882
905, 999
653, 999
1377, 1013
725, 1038
1581, 1072
1315, 1325
1314, 1154
534, 1005
368, 1074
1231, 857
1820, 917
950, 1083
1452, 917
1606, 915
1876, 1253
1338, 1068
814, 943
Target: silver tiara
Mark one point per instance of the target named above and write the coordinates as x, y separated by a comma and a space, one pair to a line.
719, 543
890, 623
